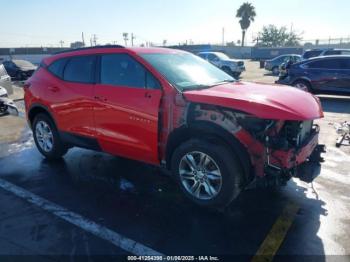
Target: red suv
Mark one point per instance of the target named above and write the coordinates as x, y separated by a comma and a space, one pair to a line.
170, 108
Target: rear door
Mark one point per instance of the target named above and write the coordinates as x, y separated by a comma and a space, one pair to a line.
324, 73
126, 108
69, 92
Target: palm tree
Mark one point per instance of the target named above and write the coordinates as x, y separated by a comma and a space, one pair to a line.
246, 13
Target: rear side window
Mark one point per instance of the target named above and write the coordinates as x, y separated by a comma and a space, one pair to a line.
332, 52
80, 69
57, 67
326, 64
309, 54
123, 70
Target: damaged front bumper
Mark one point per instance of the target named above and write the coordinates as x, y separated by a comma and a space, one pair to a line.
302, 162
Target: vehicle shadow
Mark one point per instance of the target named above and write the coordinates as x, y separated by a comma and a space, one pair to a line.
335, 104
143, 203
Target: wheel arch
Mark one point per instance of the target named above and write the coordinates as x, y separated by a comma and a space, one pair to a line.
213, 133
36, 109
304, 79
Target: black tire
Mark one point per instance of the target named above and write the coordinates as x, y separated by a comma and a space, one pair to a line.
304, 83
59, 149
229, 165
275, 70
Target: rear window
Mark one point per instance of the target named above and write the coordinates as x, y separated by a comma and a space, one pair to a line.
80, 69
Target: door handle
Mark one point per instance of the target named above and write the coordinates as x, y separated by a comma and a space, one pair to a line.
53, 89
100, 98
148, 95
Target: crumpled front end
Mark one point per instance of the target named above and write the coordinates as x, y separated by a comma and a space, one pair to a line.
286, 149
278, 149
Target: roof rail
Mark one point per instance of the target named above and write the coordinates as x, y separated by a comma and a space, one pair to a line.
87, 48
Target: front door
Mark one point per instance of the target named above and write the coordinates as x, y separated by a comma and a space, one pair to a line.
126, 108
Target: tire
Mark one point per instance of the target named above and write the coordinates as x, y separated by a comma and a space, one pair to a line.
275, 71
303, 85
48, 130
218, 156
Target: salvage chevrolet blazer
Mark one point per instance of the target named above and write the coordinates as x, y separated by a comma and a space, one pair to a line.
173, 109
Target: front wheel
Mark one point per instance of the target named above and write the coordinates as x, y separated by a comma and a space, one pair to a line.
303, 85
47, 139
209, 174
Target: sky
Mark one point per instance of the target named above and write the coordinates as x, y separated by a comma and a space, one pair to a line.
47, 22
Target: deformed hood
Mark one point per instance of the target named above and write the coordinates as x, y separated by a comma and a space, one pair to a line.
262, 100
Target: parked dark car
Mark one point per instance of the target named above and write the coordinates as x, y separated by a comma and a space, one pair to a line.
320, 74
19, 69
324, 52
274, 64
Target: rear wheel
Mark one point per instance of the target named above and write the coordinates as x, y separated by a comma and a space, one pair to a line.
303, 85
209, 174
46, 137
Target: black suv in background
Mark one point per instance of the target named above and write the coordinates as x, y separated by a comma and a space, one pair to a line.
320, 74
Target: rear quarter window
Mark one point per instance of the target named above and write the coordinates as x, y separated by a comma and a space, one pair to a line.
80, 69
57, 67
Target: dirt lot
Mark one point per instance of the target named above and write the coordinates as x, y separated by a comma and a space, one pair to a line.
92, 204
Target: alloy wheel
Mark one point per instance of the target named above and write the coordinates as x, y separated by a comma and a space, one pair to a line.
200, 175
44, 136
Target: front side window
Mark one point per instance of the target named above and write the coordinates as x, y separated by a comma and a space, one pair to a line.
80, 69
123, 70
186, 71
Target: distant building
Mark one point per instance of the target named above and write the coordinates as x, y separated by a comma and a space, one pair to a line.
77, 44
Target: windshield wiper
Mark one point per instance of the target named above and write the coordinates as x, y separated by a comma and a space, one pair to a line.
201, 86
224, 81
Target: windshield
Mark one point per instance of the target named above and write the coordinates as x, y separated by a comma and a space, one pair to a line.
23, 63
186, 71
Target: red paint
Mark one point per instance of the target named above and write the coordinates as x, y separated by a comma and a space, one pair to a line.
261, 100
136, 123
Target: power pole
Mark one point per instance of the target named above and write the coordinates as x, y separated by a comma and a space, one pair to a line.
94, 40
132, 39
126, 38
82, 38
61, 43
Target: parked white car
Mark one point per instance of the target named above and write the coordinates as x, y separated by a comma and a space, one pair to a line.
221, 60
